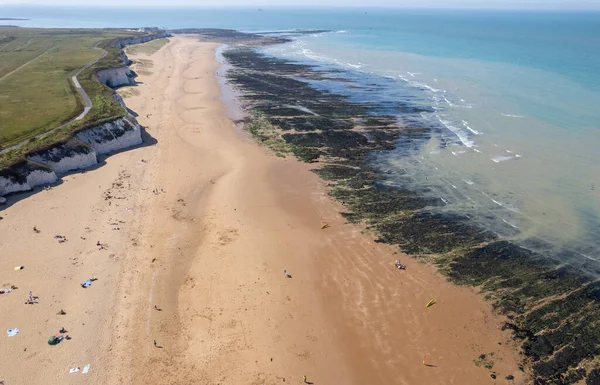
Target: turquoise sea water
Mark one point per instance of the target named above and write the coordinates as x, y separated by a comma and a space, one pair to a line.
514, 97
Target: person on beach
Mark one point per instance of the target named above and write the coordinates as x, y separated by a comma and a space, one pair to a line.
154, 343
30, 296
285, 273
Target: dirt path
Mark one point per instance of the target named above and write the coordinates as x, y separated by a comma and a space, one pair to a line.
25, 64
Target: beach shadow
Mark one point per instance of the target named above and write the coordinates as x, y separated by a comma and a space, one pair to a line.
431, 365
158, 347
131, 112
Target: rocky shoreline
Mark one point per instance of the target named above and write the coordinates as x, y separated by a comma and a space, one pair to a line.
552, 308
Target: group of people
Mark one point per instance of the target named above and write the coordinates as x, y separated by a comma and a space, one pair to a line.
60, 238
399, 266
31, 299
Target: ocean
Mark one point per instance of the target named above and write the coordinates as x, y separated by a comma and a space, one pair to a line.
512, 98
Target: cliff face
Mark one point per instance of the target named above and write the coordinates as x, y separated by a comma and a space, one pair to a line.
122, 76
77, 154
121, 43
112, 136
73, 155
25, 176
116, 77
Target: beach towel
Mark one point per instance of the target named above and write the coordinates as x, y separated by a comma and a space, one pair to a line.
12, 332
85, 369
87, 284
74, 370
5, 291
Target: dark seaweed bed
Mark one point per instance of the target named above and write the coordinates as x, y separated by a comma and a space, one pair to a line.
553, 309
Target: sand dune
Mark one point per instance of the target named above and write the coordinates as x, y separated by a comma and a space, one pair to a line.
211, 257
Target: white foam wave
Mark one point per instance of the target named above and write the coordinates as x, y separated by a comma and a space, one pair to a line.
468, 181
512, 116
462, 136
506, 206
359, 65
510, 224
476, 150
300, 108
449, 102
466, 125
499, 159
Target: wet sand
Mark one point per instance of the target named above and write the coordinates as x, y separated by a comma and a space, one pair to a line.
211, 256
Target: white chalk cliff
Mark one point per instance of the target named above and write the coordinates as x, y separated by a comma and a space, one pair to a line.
81, 152
112, 136
116, 77
33, 178
108, 137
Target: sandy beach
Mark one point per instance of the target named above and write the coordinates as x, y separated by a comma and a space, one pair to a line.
201, 222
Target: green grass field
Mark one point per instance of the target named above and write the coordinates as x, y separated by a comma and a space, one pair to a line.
36, 93
147, 48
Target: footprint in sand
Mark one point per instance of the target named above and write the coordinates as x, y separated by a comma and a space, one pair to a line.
225, 237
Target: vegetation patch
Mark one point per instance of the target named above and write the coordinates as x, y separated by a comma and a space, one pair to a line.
147, 48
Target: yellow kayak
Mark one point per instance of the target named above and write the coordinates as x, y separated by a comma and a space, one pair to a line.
430, 303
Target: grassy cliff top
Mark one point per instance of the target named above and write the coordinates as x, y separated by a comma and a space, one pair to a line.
36, 92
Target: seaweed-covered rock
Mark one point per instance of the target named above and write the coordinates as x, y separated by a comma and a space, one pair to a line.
593, 377
553, 308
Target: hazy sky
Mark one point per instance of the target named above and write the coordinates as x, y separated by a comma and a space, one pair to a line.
504, 4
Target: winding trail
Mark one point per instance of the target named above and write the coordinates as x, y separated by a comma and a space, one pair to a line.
25, 64
86, 100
